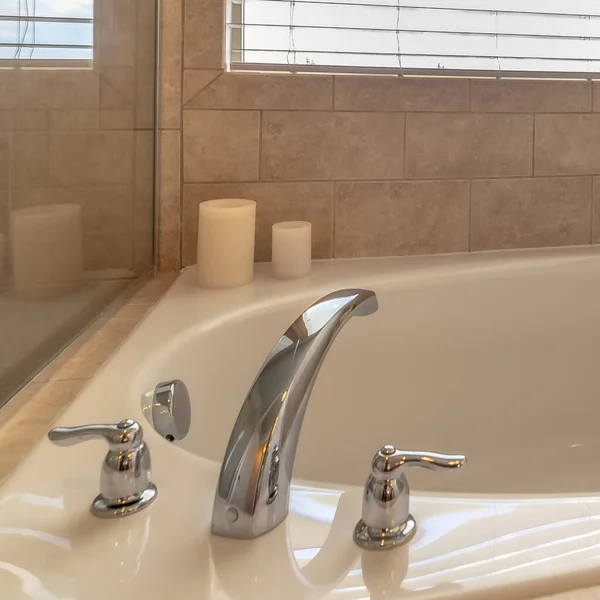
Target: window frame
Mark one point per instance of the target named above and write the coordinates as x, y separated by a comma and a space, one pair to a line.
234, 26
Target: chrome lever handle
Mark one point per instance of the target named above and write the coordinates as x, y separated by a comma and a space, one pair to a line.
386, 520
391, 461
125, 486
124, 435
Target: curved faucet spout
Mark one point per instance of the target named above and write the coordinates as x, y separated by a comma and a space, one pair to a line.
253, 490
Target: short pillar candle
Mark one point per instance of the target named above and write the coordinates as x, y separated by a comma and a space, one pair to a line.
291, 249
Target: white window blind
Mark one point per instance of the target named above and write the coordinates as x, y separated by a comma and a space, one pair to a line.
510, 37
46, 30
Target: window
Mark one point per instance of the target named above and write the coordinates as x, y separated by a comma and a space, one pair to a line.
511, 37
46, 31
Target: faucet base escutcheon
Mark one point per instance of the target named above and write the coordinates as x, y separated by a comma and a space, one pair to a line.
374, 538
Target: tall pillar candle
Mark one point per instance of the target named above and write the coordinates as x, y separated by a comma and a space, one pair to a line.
226, 230
46, 249
291, 249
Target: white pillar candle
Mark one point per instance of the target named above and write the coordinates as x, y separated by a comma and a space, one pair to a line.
291, 249
226, 230
46, 249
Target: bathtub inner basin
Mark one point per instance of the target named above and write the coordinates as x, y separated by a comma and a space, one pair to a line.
497, 362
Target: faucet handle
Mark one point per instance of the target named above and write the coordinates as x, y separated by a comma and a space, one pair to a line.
125, 486
386, 520
125, 434
390, 462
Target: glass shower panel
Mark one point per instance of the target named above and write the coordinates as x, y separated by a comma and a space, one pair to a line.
77, 117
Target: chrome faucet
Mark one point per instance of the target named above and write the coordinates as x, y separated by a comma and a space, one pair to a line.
125, 486
386, 520
252, 495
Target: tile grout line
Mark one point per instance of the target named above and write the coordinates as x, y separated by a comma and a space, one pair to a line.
216, 69
469, 95
391, 179
11, 166
134, 219
593, 187
193, 109
404, 147
333, 92
534, 125
181, 144
260, 145
469, 219
368, 111
333, 245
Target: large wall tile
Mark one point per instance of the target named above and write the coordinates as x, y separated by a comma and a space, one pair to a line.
30, 120
398, 218
8, 98
266, 91
67, 120
114, 26
203, 34
401, 94
144, 113
567, 144
91, 157
530, 213
118, 119
195, 80
143, 202
596, 87
169, 202
58, 89
30, 152
117, 88
145, 93
37, 196
329, 145
7, 120
220, 145
170, 64
4, 183
145, 65
530, 96
108, 233
33, 88
4, 221
5, 160
275, 202
75, 90
440, 146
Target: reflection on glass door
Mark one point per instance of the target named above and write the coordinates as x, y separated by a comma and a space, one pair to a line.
47, 30
77, 114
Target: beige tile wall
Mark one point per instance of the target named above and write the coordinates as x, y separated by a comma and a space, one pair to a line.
402, 166
85, 136
381, 165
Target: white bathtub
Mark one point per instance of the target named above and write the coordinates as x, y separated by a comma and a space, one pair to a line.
492, 355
